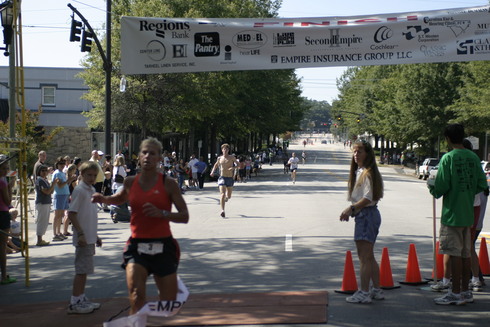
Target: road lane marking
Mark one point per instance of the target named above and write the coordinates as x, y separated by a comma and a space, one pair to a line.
288, 244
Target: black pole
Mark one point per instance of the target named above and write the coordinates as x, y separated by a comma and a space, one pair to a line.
108, 73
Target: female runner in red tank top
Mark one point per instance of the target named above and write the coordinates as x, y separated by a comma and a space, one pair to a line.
151, 249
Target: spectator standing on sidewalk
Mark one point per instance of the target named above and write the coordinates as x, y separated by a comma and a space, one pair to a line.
226, 164
71, 174
99, 182
5, 200
83, 216
151, 249
459, 178
365, 189
119, 173
61, 196
181, 169
193, 174
43, 203
41, 159
201, 169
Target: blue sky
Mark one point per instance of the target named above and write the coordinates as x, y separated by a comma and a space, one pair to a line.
46, 29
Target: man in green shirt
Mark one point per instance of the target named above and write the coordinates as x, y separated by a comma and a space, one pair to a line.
459, 179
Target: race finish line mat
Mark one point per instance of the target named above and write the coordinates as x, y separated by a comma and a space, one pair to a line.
199, 310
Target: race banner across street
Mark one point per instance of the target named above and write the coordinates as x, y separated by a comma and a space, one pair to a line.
176, 45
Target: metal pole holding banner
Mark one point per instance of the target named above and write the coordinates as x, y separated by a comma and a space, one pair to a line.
434, 237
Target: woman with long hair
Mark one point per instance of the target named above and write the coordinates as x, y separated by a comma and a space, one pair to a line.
119, 173
365, 189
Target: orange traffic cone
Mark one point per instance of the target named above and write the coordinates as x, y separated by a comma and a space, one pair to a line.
413, 276
349, 282
385, 275
439, 263
483, 258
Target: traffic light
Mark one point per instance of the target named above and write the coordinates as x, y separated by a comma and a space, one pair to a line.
339, 118
359, 120
76, 29
87, 41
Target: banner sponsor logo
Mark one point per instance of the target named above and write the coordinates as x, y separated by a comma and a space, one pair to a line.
475, 46
249, 39
433, 50
482, 29
382, 34
285, 39
458, 27
206, 44
334, 40
176, 29
179, 50
155, 50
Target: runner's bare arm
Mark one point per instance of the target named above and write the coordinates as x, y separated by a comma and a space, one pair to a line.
118, 198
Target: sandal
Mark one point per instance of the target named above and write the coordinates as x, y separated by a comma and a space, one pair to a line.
42, 243
8, 280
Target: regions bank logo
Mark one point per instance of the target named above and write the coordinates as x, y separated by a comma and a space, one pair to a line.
206, 44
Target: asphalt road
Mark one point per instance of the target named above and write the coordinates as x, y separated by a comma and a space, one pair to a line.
276, 237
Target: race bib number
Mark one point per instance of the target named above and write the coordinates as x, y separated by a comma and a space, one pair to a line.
150, 248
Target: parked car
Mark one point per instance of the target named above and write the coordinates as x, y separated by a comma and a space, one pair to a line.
426, 167
324, 141
433, 172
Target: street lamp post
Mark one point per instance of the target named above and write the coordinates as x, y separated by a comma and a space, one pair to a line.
7, 16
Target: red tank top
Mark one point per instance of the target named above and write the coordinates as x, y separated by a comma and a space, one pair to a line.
144, 226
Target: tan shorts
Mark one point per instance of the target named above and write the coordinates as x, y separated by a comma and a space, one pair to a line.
455, 241
84, 259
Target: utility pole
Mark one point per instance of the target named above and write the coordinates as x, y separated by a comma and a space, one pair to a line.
106, 58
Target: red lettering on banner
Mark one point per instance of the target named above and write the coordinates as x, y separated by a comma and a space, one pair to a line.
369, 20
327, 23
340, 22
262, 24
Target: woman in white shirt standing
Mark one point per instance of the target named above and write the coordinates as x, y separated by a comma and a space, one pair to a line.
365, 189
118, 170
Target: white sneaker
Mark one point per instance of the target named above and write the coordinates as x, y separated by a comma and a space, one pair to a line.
377, 294
359, 297
467, 296
94, 305
80, 308
440, 286
475, 286
450, 298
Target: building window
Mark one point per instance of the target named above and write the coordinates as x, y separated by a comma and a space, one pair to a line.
48, 94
